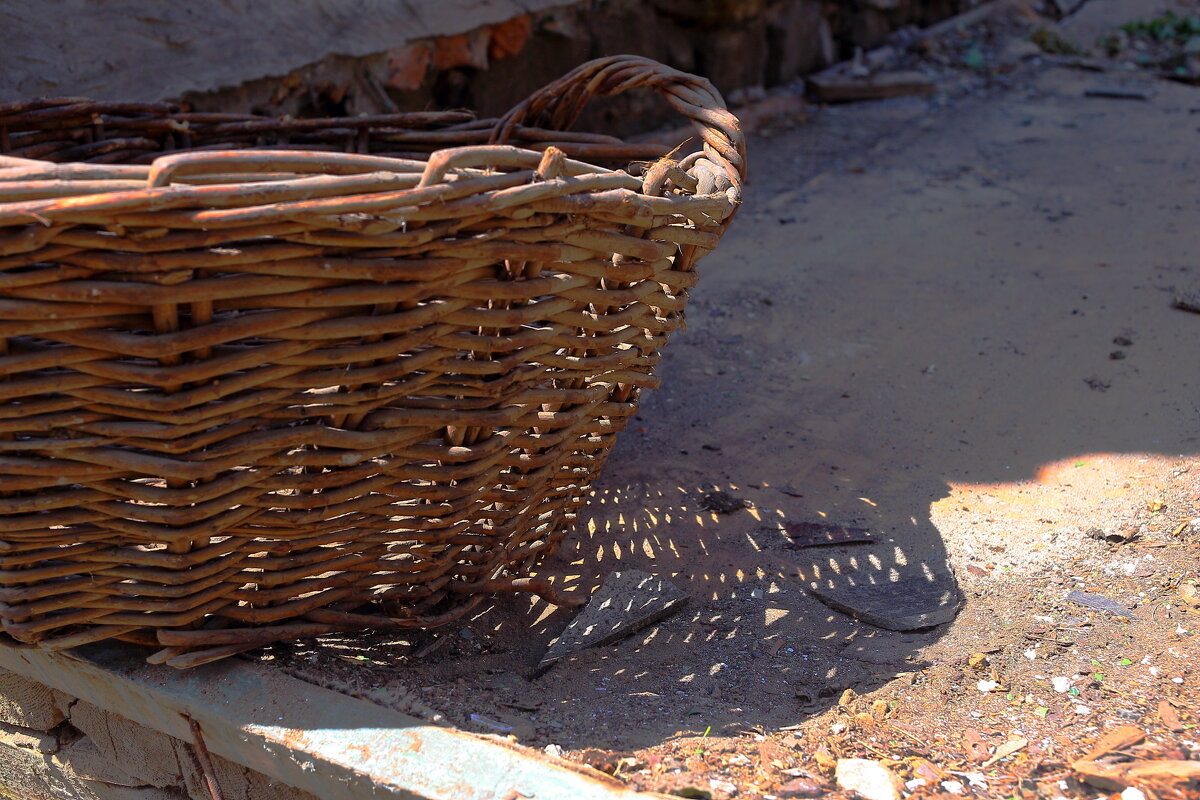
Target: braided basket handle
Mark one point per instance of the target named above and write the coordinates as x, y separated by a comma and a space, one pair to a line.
560, 103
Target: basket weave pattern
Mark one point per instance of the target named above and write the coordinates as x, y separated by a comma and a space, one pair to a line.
255, 394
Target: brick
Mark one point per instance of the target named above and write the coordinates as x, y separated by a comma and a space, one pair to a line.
236, 782
795, 43
408, 66
463, 50
508, 38
734, 57
86, 760
28, 738
27, 703
712, 13
29, 775
144, 753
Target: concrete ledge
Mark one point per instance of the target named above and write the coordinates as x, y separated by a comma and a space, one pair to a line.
315, 740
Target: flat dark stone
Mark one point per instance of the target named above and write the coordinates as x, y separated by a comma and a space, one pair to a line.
1118, 93
908, 604
722, 503
1100, 603
628, 601
816, 534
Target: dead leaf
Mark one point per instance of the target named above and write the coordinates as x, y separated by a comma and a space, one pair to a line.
1005, 750
977, 749
1169, 716
1155, 505
1190, 594
976, 660
923, 768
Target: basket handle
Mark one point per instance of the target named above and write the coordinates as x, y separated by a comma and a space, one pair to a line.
560, 103
201, 162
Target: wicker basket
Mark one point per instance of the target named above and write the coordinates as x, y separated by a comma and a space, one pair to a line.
305, 376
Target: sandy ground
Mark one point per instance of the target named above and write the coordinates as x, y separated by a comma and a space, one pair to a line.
912, 327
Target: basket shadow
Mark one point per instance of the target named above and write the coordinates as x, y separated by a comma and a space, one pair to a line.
966, 365
752, 650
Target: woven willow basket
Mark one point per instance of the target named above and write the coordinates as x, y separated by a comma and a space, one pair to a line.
305, 376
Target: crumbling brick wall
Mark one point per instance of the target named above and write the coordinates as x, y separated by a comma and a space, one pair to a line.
56, 747
739, 44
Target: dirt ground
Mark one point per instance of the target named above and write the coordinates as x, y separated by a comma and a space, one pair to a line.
947, 320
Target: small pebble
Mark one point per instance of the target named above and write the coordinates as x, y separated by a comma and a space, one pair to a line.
718, 785
800, 787
870, 779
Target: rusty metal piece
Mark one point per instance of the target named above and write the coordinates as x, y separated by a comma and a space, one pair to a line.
202, 756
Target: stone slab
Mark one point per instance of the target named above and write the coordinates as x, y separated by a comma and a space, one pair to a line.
910, 603
628, 601
817, 534
307, 737
1100, 603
